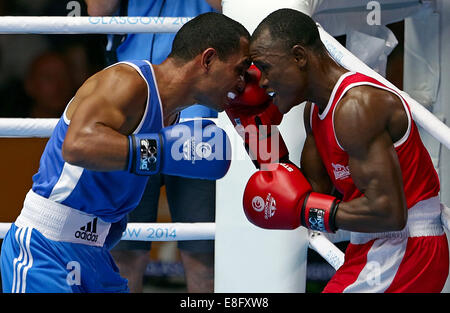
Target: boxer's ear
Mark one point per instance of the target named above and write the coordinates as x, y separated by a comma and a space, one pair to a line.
300, 55
207, 58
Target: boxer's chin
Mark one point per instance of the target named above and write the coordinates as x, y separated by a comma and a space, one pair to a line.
283, 107
224, 103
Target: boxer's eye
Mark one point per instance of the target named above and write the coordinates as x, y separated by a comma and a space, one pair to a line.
264, 68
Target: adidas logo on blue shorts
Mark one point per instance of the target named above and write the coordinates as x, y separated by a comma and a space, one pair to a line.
88, 232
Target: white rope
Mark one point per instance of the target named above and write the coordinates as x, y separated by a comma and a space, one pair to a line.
157, 231
169, 231
90, 24
27, 127
326, 249
205, 231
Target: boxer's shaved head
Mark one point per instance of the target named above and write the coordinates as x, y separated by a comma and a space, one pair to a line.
288, 28
208, 30
286, 48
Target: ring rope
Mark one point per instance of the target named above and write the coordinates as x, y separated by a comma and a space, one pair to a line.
325, 248
206, 231
27, 127
169, 231
157, 231
90, 24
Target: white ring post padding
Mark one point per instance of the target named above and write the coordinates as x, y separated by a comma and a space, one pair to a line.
157, 231
421, 115
27, 127
90, 24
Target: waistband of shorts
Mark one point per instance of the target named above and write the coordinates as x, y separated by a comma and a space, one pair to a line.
59, 222
424, 219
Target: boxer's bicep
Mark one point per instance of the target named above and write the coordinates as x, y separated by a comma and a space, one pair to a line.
375, 171
105, 109
114, 97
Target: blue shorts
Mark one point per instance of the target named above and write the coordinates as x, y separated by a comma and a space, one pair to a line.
34, 264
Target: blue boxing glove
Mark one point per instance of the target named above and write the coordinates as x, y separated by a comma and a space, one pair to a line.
194, 149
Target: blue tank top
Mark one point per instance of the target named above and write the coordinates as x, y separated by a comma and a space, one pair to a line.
108, 195
156, 47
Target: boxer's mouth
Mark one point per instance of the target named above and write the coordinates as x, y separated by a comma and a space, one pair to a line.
231, 95
271, 92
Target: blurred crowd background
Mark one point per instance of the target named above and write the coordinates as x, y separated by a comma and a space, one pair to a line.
40, 73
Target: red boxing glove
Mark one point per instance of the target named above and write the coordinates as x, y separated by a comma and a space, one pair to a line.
282, 198
255, 118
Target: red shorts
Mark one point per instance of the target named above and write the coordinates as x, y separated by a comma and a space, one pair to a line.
414, 260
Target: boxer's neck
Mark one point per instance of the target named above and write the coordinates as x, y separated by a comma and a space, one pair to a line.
174, 89
323, 76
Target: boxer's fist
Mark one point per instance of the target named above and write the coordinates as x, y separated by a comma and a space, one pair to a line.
255, 117
281, 198
194, 149
253, 99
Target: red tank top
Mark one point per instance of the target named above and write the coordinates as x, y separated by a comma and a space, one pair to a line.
420, 180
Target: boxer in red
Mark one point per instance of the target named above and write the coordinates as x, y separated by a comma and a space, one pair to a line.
361, 141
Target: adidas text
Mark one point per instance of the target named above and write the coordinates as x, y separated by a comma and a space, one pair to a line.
88, 232
86, 236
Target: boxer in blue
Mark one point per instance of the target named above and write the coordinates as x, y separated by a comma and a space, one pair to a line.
119, 128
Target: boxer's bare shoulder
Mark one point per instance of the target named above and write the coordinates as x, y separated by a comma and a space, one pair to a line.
120, 85
368, 112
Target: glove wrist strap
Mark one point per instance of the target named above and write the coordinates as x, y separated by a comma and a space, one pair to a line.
144, 154
319, 212
130, 158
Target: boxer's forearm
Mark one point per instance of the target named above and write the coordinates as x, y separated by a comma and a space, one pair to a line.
97, 148
382, 207
364, 215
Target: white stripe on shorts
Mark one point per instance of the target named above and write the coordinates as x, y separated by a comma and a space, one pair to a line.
18, 259
383, 260
24, 261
